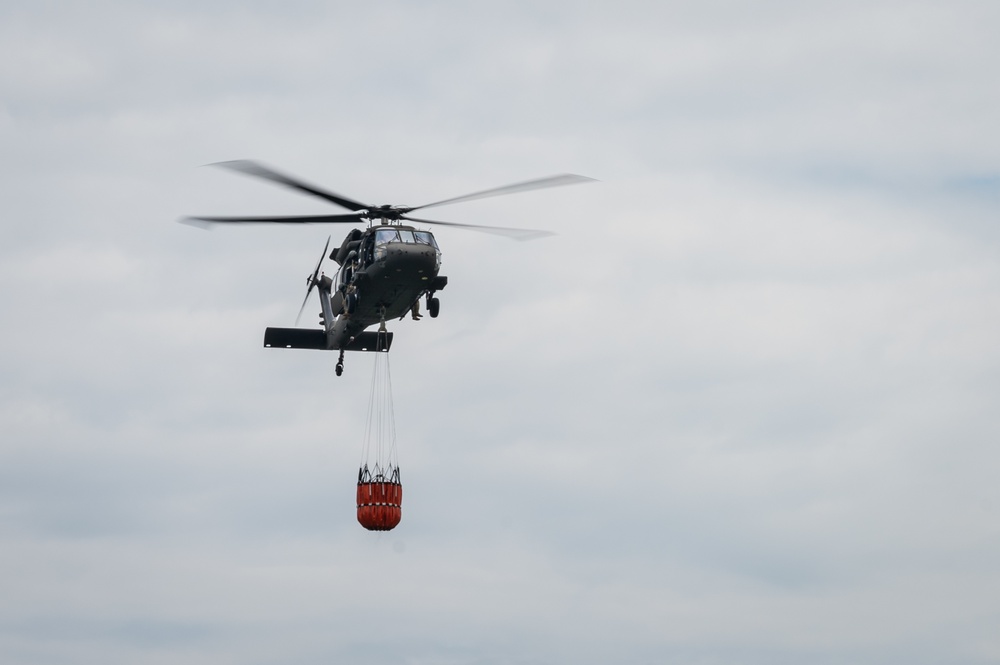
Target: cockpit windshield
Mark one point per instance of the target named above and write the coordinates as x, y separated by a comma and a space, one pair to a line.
383, 236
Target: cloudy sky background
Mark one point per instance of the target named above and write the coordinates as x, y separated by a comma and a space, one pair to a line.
741, 409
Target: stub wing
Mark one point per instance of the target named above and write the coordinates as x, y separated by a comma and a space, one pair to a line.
308, 338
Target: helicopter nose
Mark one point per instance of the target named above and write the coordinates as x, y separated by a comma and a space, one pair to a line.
411, 258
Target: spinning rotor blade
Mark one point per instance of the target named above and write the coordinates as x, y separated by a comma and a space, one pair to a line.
206, 222
260, 171
386, 213
540, 183
312, 280
516, 234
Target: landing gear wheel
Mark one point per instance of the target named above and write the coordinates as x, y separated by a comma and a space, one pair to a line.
340, 369
433, 307
351, 303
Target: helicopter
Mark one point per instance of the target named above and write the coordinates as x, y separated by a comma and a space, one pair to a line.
384, 270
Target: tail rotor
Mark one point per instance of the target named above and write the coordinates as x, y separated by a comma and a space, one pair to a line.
312, 280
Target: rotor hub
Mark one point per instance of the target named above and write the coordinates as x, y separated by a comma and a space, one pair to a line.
385, 213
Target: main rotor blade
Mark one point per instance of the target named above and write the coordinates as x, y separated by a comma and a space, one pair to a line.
206, 222
516, 234
260, 171
540, 183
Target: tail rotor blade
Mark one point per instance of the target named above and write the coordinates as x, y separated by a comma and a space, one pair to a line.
304, 302
313, 280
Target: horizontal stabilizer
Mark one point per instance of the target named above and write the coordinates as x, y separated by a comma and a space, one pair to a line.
294, 338
308, 338
371, 341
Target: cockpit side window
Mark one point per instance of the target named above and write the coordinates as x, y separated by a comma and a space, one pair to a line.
425, 238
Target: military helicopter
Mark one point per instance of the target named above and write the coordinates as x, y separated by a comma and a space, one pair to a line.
384, 270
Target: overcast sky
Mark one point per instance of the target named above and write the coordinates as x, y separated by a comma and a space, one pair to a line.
740, 409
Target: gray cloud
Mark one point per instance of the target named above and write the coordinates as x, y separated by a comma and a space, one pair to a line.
740, 408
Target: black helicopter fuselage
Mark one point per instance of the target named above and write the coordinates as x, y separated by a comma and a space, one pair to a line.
384, 272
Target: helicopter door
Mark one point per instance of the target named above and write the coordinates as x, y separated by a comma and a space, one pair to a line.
344, 275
